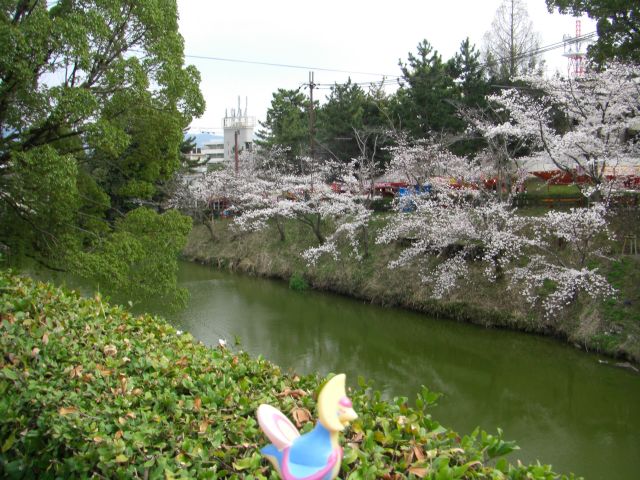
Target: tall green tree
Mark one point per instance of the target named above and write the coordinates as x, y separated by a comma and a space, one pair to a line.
348, 116
470, 75
188, 145
287, 123
342, 113
618, 26
424, 99
94, 96
472, 88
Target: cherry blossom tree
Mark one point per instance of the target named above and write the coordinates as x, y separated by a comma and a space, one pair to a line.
504, 147
355, 180
285, 196
264, 191
420, 161
447, 227
458, 226
193, 194
455, 219
566, 272
313, 201
204, 196
347, 207
367, 167
456, 223
601, 110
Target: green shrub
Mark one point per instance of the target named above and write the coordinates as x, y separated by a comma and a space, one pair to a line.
89, 390
382, 204
560, 200
297, 283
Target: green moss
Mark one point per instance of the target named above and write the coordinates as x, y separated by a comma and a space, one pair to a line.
89, 390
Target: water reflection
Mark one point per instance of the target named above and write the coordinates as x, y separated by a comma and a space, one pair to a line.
561, 405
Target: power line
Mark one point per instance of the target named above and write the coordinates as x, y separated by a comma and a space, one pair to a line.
282, 65
381, 83
531, 53
544, 49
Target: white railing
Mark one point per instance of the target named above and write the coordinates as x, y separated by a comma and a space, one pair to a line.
239, 122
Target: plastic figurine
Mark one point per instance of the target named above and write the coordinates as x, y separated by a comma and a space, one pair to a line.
315, 455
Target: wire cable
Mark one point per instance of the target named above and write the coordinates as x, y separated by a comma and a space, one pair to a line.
283, 65
531, 53
534, 52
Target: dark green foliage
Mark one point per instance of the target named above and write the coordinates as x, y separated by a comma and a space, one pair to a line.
343, 112
46, 182
88, 390
123, 263
187, 146
297, 283
469, 73
354, 123
435, 95
424, 100
287, 123
618, 27
94, 97
351, 114
472, 89
151, 157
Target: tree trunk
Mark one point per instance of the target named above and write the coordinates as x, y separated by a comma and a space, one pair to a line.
316, 229
281, 231
208, 222
365, 242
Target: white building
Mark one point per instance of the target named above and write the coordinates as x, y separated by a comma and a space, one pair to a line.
238, 130
208, 156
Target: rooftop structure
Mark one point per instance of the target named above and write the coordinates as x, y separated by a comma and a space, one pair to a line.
238, 131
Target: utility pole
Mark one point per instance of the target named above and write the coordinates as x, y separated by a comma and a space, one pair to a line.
236, 133
312, 120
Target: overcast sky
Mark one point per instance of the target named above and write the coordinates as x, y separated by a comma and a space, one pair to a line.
350, 35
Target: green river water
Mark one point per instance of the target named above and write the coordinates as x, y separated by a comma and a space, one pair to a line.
574, 410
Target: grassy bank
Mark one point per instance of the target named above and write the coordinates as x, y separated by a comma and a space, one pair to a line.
89, 390
611, 327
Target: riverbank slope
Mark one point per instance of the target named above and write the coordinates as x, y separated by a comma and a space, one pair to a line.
611, 327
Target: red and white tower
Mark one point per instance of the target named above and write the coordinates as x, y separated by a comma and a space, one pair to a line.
573, 50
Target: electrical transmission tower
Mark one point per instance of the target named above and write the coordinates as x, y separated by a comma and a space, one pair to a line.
573, 50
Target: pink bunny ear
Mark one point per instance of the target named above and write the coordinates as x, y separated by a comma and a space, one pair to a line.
278, 428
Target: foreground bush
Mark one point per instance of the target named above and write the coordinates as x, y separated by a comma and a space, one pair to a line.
89, 390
